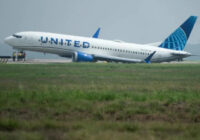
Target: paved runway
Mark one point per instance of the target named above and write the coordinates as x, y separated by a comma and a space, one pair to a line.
48, 61
40, 61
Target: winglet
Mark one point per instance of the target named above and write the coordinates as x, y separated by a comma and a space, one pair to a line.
96, 35
148, 59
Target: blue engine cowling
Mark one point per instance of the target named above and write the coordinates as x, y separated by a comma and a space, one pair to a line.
82, 57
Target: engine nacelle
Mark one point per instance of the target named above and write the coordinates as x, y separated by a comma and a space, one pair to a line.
82, 57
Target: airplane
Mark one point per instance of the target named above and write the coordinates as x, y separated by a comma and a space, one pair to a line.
93, 49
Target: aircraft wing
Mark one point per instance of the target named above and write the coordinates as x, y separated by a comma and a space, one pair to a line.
116, 59
120, 59
156, 44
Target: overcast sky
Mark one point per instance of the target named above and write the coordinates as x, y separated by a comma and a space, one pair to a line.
138, 21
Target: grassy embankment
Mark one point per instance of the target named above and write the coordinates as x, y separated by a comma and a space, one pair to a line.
100, 101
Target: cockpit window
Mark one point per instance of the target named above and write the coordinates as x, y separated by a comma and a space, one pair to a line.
17, 36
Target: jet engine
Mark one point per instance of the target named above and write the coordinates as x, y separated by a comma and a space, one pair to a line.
82, 57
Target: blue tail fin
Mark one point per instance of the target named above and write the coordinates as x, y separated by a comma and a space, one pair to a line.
178, 39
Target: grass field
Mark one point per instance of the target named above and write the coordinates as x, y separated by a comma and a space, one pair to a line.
82, 101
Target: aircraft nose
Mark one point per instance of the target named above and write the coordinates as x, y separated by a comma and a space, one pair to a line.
8, 40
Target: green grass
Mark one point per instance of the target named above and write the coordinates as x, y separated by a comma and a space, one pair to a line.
100, 101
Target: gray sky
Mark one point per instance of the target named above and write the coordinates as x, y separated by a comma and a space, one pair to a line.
138, 21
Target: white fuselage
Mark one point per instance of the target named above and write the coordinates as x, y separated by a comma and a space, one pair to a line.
66, 45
